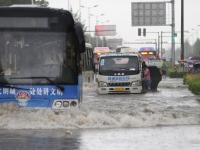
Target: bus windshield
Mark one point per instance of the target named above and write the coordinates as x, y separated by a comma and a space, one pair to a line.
127, 64
25, 54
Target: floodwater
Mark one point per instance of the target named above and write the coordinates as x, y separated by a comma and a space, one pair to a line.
174, 104
159, 138
168, 119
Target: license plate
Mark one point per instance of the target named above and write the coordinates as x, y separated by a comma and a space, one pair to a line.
119, 89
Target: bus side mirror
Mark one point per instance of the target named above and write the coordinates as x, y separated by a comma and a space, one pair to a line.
80, 35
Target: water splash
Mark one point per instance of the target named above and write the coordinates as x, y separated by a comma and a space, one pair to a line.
167, 107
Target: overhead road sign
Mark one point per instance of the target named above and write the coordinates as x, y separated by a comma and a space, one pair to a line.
148, 13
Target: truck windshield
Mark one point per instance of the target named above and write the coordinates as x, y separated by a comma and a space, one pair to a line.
126, 64
37, 54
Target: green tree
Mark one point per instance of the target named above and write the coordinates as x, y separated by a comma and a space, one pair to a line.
188, 49
196, 48
177, 54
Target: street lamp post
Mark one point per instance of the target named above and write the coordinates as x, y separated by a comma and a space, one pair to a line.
172, 33
97, 21
88, 8
90, 15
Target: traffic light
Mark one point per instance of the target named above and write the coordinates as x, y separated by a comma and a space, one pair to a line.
144, 31
139, 31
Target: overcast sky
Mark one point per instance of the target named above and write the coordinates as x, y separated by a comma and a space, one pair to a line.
118, 12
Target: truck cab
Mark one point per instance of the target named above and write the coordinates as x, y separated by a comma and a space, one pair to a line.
119, 73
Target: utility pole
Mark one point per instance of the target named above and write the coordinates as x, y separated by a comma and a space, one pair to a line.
173, 33
161, 44
97, 41
89, 18
102, 41
182, 29
158, 44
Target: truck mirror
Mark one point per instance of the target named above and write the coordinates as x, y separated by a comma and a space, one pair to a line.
93, 67
80, 35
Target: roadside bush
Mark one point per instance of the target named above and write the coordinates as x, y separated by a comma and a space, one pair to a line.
176, 74
193, 81
176, 71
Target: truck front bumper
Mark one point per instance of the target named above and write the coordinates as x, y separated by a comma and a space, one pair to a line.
128, 89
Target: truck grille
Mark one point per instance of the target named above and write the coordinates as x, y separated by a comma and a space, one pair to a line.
120, 84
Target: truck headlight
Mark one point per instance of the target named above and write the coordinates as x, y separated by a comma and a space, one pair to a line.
136, 83
133, 83
102, 84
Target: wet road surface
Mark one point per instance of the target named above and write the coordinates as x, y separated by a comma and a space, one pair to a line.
159, 138
109, 122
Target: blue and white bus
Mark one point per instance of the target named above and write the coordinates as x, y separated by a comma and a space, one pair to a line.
40, 57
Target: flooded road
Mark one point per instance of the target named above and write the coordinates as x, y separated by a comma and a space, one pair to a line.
159, 138
109, 122
173, 104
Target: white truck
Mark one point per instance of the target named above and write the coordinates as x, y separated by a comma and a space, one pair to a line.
119, 73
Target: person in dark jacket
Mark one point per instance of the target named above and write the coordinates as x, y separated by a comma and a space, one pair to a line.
156, 77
